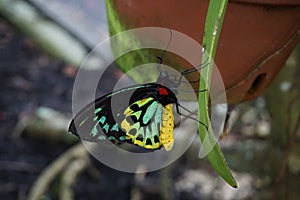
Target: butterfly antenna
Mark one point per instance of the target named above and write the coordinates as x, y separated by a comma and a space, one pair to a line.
194, 69
164, 52
188, 91
187, 116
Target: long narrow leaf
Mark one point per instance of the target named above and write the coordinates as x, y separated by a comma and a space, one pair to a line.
213, 25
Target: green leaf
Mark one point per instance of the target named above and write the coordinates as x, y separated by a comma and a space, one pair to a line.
213, 25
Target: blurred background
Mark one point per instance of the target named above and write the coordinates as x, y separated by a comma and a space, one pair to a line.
42, 45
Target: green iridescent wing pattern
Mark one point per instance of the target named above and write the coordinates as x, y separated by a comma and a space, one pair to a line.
149, 124
142, 123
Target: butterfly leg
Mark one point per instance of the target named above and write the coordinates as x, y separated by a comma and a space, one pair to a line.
187, 116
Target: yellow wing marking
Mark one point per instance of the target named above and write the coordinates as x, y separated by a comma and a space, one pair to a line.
129, 112
128, 128
166, 138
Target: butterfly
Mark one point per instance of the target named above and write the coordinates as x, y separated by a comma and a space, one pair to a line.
140, 114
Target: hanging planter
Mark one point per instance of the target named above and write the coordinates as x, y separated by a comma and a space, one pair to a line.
256, 39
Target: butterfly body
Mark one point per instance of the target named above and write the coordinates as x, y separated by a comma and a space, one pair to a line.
141, 115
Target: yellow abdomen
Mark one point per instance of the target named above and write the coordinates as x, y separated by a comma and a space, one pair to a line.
166, 128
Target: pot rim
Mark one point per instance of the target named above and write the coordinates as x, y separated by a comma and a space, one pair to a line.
270, 2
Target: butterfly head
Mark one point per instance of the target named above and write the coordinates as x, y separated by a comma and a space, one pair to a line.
168, 80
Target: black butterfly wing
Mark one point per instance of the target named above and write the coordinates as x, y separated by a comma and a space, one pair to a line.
96, 122
110, 117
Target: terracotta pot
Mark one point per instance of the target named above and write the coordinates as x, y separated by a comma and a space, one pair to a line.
256, 39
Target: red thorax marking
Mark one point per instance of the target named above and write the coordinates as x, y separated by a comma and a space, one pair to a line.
163, 91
